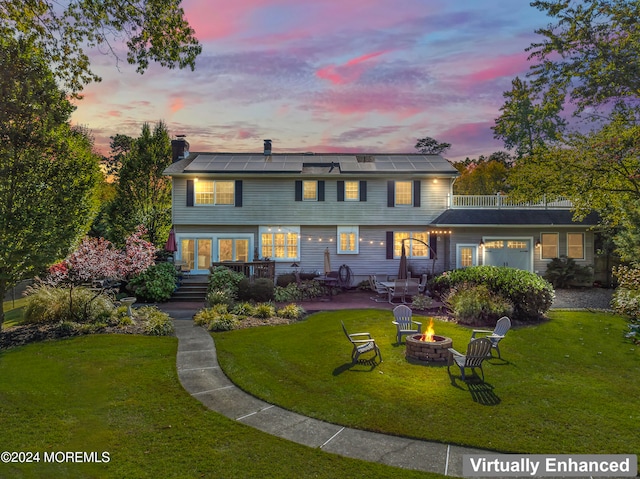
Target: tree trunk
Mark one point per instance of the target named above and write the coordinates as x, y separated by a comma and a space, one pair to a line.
3, 291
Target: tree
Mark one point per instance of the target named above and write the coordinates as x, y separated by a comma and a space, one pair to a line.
591, 53
153, 30
527, 124
143, 193
430, 146
599, 171
48, 171
484, 176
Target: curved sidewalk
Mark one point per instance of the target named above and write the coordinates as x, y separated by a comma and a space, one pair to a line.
202, 377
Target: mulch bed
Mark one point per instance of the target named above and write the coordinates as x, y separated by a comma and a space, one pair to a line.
28, 333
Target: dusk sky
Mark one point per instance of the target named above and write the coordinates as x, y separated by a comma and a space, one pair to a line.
327, 76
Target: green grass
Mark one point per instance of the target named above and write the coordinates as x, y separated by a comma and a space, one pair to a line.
568, 385
121, 394
13, 311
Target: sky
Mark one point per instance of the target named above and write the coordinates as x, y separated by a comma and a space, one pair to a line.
326, 76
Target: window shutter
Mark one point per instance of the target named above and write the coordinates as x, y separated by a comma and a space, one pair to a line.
340, 190
298, 190
238, 193
391, 194
321, 190
190, 192
416, 193
389, 244
433, 243
363, 190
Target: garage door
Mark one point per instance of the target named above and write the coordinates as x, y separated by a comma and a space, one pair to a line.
514, 252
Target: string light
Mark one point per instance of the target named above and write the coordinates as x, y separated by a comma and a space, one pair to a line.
333, 238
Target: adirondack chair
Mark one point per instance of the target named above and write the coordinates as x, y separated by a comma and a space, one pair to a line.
502, 326
361, 346
404, 322
477, 351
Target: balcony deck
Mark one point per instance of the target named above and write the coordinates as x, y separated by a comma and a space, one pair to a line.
503, 202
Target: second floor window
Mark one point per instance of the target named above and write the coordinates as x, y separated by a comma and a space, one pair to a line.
404, 193
309, 190
214, 192
352, 191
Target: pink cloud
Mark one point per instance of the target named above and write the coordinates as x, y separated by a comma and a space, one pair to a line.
387, 100
349, 72
505, 66
114, 113
176, 104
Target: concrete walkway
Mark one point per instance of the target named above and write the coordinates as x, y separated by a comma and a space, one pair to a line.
202, 377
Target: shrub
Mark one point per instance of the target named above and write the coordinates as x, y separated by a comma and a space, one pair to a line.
243, 309
264, 311
562, 272
626, 302
291, 292
476, 304
244, 290
285, 279
120, 317
291, 311
156, 322
51, 304
216, 318
421, 302
262, 290
156, 283
222, 296
222, 278
530, 294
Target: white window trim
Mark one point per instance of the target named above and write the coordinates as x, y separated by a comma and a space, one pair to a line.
309, 181
357, 198
557, 245
348, 229
280, 229
583, 244
195, 194
395, 194
407, 248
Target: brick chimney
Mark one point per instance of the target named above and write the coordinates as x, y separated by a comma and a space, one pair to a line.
179, 148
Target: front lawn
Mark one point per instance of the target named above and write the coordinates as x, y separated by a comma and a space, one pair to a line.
568, 385
120, 394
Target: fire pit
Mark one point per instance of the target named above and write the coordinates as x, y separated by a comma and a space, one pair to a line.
429, 347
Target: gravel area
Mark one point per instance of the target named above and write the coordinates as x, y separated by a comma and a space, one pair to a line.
583, 298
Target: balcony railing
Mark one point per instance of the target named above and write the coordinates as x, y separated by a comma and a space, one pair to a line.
251, 269
503, 201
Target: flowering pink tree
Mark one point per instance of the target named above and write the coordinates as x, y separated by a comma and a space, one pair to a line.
97, 258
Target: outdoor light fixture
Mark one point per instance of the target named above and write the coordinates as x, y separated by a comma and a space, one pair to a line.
481, 245
538, 244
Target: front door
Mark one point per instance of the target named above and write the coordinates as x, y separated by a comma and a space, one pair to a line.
511, 252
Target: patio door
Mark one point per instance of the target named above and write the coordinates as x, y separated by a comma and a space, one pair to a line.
196, 252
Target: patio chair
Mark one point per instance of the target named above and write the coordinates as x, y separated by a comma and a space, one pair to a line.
380, 289
398, 290
361, 346
502, 326
404, 322
422, 287
477, 351
412, 290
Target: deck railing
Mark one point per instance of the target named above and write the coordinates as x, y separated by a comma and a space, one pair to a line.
503, 201
251, 269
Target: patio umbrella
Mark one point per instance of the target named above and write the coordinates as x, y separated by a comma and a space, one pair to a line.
171, 244
402, 269
327, 261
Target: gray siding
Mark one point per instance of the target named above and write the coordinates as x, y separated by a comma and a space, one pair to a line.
271, 201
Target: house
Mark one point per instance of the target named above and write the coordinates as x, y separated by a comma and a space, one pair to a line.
362, 208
